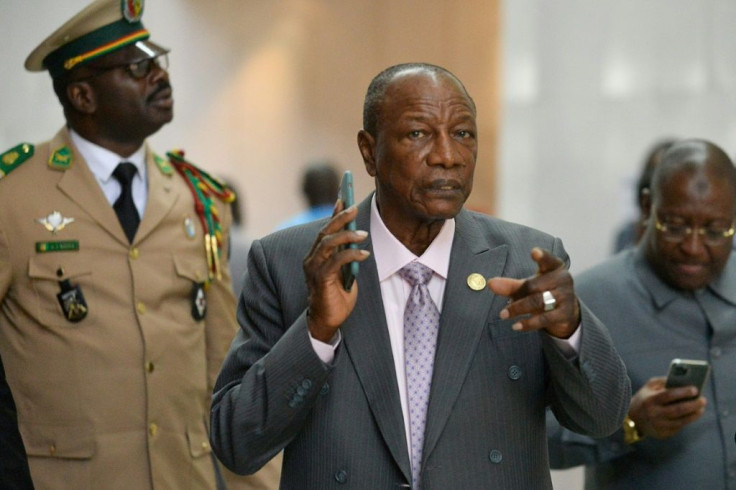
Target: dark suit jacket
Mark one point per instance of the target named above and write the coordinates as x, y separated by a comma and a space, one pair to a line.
342, 424
14, 472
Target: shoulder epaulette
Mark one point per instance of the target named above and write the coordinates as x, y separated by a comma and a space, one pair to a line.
11, 159
204, 189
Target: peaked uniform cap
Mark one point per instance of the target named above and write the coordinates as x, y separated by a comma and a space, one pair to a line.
100, 28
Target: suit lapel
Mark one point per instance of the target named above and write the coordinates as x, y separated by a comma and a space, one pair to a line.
366, 339
81, 186
463, 319
161, 198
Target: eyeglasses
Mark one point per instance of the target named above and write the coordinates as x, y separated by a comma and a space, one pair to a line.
676, 233
137, 69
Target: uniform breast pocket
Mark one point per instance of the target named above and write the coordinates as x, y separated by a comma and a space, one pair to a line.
62, 289
192, 273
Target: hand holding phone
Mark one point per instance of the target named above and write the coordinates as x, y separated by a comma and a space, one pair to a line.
350, 270
687, 372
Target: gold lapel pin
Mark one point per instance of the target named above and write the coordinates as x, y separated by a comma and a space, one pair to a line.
476, 282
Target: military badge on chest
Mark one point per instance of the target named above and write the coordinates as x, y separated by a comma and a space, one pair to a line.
199, 301
72, 301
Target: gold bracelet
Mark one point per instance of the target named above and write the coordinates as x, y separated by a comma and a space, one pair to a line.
631, 433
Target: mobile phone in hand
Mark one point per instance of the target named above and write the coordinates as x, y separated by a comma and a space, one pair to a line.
687, 372
350, 270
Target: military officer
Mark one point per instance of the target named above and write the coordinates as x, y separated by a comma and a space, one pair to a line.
116, 308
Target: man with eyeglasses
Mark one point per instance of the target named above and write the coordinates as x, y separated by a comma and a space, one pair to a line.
673, 296
116, 308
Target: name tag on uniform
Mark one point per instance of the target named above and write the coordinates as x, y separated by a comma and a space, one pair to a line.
60, 246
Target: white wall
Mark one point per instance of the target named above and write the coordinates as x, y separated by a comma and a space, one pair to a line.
588, 86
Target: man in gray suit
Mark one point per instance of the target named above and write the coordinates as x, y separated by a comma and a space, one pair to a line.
325, 373
674, 296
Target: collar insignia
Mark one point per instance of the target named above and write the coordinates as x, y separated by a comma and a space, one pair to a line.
61, 159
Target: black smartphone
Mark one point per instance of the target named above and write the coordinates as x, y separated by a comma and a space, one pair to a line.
687, 372
350, 270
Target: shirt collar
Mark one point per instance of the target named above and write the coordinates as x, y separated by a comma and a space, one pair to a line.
391, 255
102, 162
723, 286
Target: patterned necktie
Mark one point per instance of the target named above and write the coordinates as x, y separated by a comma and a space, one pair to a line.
124, 206
421, 323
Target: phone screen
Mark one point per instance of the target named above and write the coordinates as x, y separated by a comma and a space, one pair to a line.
350, 270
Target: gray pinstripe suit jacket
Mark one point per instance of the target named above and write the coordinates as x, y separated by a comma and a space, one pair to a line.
341, 425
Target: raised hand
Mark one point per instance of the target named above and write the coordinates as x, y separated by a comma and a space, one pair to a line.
329, 303
560, 315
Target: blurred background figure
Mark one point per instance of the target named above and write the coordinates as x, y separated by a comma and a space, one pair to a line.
239, 240
320, 183
631, 232
671, 296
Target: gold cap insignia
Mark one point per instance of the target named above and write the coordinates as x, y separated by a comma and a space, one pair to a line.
132, 10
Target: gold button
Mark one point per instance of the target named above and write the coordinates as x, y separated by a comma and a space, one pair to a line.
205, 445
149, 366
52, 449
134, 254
141, 307
152, 430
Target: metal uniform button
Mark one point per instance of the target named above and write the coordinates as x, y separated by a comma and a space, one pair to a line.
514, 372
133, 254
153, 430
149, 366
52, 449
141, 307
205, 446
341, 476
495, 456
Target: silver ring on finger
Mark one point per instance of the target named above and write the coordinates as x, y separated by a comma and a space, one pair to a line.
549, 301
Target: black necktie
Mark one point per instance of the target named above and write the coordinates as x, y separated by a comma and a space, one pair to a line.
125, 207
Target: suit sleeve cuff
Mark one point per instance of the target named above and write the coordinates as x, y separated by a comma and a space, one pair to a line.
570, 346
326, 351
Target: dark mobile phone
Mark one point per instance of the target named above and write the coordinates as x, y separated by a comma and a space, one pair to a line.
687, 372
350, 270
